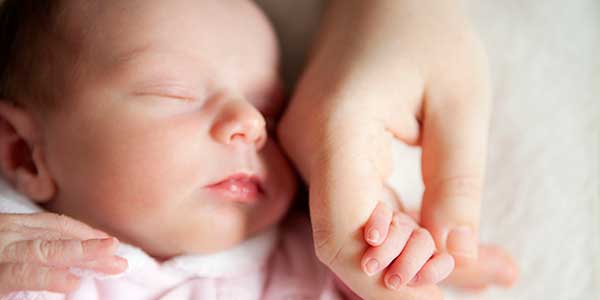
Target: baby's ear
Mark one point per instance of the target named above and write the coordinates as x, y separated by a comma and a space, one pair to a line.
22, 160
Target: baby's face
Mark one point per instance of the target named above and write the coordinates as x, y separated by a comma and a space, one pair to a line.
160, 140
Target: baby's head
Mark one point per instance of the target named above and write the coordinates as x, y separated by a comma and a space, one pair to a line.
145, 118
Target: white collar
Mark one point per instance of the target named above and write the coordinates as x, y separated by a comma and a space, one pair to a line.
250, 255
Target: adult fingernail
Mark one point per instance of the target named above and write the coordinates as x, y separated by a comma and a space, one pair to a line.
371, 267
101, 234
394, 282
96, 244
373, 236
462, 243
120, 263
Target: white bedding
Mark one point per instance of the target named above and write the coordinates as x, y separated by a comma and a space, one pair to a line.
541, 199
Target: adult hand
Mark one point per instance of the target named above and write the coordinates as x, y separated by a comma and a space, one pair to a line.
37, 250
494, 267
407, 69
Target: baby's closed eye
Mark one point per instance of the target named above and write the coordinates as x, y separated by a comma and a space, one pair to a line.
173, 91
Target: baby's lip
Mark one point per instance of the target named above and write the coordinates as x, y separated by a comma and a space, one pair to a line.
240, 187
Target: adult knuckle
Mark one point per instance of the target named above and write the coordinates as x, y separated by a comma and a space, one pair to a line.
45, 251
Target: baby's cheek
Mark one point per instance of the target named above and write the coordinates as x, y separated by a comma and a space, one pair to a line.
280, 174
279, 187
204, 229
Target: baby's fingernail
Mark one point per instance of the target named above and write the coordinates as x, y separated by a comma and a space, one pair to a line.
394, 282
374, 236
462, 243
371, 267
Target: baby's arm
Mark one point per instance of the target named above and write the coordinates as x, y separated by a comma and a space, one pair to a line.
404, 250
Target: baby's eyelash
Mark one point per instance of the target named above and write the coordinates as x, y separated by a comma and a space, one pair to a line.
176, 97
173, 92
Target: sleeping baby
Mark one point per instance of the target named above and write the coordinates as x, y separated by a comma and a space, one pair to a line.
150, 120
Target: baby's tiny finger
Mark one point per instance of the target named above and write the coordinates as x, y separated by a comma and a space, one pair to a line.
417, 252
377, 227
377, 258
435, 270
32, 277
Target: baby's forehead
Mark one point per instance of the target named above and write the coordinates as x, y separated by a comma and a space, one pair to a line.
118, 30
204, 39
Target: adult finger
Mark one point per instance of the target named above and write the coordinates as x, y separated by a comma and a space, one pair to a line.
32, 277
58, 253
49, 221
454, 150
494, 267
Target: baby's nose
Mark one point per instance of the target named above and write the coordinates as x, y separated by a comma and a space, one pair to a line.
239, 121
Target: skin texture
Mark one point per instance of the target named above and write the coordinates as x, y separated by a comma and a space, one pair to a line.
170, 110
409, 70
166, 110
37, 250
406, 251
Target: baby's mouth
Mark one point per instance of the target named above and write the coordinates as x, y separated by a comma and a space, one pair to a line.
239, 187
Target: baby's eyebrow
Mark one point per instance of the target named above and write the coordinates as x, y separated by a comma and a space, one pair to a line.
124, 57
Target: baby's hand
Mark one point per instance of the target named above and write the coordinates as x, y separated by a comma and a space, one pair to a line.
404, 250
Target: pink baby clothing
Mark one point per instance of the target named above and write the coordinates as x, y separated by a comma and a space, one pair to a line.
279, 264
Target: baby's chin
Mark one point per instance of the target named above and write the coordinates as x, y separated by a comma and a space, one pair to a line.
190, 247
202, 240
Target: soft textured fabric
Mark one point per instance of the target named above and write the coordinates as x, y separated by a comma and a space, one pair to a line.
275, 265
